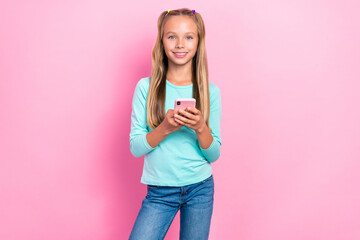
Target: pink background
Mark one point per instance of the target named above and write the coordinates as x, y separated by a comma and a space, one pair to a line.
289, 76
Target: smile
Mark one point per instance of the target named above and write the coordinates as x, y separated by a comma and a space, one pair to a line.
180, 55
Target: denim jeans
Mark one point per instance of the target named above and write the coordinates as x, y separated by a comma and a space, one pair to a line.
162, 203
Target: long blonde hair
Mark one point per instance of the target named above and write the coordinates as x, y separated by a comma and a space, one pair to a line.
156, 96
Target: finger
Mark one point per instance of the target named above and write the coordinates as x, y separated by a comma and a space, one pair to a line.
183, 123
179, 121
179, 111
181, 118
185, 120
193, 110
187, 114
176, 111
190, 123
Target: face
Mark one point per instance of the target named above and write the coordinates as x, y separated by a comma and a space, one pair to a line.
180, 36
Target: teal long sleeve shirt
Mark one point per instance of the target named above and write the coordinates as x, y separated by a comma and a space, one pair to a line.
178, 160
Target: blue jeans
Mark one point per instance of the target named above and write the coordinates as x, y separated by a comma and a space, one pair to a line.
162, 203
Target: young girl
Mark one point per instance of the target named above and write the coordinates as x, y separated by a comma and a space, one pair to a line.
179, 145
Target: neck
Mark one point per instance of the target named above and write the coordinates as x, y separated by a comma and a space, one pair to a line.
180, 73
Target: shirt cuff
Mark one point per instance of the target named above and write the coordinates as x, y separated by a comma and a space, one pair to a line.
146, 144
210, 147
212, 152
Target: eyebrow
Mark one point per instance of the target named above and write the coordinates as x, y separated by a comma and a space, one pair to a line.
175, 33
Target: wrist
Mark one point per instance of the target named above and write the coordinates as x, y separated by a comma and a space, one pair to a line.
162, 129
201, 129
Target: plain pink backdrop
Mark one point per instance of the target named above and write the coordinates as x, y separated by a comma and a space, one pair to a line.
289, 76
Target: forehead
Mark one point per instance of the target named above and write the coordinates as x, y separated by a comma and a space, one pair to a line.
180, 24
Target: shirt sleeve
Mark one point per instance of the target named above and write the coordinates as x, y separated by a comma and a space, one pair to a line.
212, 153
138, 143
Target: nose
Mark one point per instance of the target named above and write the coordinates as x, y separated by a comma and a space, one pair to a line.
179, 44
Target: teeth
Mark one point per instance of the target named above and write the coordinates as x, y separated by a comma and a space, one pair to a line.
180, 53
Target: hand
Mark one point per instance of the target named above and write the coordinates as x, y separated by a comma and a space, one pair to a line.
192, 118
169, 124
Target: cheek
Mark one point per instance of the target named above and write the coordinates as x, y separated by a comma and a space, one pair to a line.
193, 46
166, 45
167, 49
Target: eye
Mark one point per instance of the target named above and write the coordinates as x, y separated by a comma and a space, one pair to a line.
190, 37
170, 36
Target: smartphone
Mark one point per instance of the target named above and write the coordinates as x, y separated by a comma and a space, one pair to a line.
184, 103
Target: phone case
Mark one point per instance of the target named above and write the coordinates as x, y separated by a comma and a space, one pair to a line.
184, 102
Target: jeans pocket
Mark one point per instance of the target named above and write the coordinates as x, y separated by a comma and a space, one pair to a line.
150, 187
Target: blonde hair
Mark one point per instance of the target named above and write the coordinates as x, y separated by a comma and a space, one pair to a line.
156, 96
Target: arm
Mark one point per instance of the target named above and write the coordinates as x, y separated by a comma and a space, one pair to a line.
139, 145
141, 140
210, 142
204, 136
156, 136
167, 126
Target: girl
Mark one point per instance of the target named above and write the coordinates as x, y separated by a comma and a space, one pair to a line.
179, 146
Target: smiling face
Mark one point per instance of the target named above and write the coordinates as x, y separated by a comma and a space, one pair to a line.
180, 40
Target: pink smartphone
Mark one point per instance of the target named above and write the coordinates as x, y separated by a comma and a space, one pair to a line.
184, 103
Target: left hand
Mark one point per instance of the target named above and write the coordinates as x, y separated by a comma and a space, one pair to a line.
190, 117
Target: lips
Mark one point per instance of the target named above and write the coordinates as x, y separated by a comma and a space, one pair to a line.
180, 54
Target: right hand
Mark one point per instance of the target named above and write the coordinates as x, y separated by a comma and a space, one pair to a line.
169, 124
